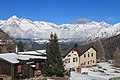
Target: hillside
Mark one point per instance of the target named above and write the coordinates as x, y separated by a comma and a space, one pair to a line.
106, 46
7, 43
110, 45
3, 35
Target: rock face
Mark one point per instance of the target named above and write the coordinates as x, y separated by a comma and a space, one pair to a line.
7, 43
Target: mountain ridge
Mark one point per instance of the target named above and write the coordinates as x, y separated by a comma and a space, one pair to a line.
25, 28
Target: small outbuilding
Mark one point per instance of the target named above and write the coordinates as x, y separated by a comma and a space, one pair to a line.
22, 64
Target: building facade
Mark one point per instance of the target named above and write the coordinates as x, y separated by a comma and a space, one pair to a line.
80, 56
22, 65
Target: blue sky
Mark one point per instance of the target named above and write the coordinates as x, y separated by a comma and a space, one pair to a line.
62, 11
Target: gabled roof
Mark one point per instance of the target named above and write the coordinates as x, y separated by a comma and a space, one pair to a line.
15, 58
9, 57
65, 51
36, 53
81, 49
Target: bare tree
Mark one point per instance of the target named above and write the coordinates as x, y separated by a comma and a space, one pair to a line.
10, 42
116, 55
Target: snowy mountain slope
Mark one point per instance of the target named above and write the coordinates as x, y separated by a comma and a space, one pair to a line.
107, 32
24, 28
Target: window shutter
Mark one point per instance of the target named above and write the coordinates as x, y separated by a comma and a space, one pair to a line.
19, 68
37, 65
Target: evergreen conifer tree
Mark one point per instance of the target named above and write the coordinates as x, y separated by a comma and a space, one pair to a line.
20, 46
54, 63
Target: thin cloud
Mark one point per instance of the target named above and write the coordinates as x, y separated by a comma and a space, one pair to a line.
109, 18
82, 21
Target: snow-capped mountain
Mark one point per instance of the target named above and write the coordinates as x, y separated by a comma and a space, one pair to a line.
24, 28
107, 32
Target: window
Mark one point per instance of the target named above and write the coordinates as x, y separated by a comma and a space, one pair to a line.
72, 50
75, 54
88, 62
69, 60
75, 59
25, 68
93, 61
65, 60
84, 63
88, 55
37, 65
92, 54
19, 68
69, 55
84, 55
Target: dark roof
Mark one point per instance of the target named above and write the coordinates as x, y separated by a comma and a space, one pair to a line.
81, 49
65, 51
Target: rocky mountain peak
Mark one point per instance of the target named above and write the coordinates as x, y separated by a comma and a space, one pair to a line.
24, 28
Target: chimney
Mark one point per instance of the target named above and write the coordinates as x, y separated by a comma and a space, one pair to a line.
16, 49
75, 45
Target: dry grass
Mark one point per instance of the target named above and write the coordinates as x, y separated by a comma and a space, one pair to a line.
50, 78
118, 78
60, 78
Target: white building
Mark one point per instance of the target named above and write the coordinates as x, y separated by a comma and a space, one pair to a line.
80, 56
